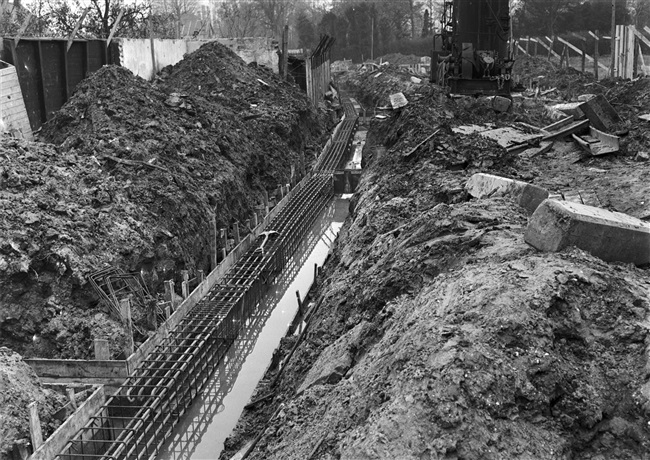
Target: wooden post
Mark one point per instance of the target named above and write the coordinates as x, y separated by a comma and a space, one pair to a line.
635, 62
114, 28
213, 242
235, 230
583, 48
299, 302
224, 254
535, 47
185, 284
644, 72
596, 54
201, 276
266, 202
528, 45
73, 400
550, 48
224, 239
285, 51
35, 425
293, 175
255, 222
248, 224
169, 292
613, 41
76, 27
151, 44
102, 351
125, 306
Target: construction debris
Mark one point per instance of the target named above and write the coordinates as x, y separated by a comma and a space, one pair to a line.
597, 142
528, 196
611, 236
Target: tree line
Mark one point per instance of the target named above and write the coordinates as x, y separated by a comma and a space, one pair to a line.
362, 29
555, 17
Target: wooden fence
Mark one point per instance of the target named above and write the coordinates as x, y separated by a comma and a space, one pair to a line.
629, 62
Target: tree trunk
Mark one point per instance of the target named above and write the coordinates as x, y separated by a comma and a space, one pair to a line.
412, 9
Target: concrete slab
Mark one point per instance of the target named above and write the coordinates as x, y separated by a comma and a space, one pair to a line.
600, 113
528, 196
611, 236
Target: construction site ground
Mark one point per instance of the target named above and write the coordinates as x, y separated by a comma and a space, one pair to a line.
440, 332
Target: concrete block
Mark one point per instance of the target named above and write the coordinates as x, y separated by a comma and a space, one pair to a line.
601, 114
569, 108
528, 196
611, 236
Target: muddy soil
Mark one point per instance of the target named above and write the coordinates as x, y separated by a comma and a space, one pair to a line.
129, 174
441, 333
19, 387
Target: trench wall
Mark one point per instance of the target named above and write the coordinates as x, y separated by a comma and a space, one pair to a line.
114, 372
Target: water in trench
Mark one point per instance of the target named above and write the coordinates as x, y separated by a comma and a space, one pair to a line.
203, 429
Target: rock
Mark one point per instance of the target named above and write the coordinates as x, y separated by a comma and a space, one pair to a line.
611, 236
642, 156
527, 195
335, 360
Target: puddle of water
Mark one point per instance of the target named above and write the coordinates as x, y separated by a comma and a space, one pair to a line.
203, 429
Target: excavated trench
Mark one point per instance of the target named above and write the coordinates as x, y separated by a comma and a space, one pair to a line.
201, 432
141, 416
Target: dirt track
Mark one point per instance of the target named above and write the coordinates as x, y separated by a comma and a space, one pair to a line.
442, 334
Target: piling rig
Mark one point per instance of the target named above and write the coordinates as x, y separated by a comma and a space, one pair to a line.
471, 54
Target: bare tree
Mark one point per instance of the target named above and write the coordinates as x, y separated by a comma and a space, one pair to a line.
276, 14
177, 9
238, 19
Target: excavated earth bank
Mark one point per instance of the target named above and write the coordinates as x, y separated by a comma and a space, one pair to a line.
442, 334
129, 176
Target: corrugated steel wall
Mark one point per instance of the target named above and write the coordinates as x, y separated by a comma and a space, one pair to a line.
48, 72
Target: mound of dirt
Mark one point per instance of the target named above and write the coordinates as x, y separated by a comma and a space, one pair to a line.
379, 85
135, 175
397, 59
442, 334
19, 387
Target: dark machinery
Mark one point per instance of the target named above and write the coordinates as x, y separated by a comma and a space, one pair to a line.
471, 54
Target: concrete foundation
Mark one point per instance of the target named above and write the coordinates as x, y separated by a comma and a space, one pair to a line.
57, 441
528, 196
611, 236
